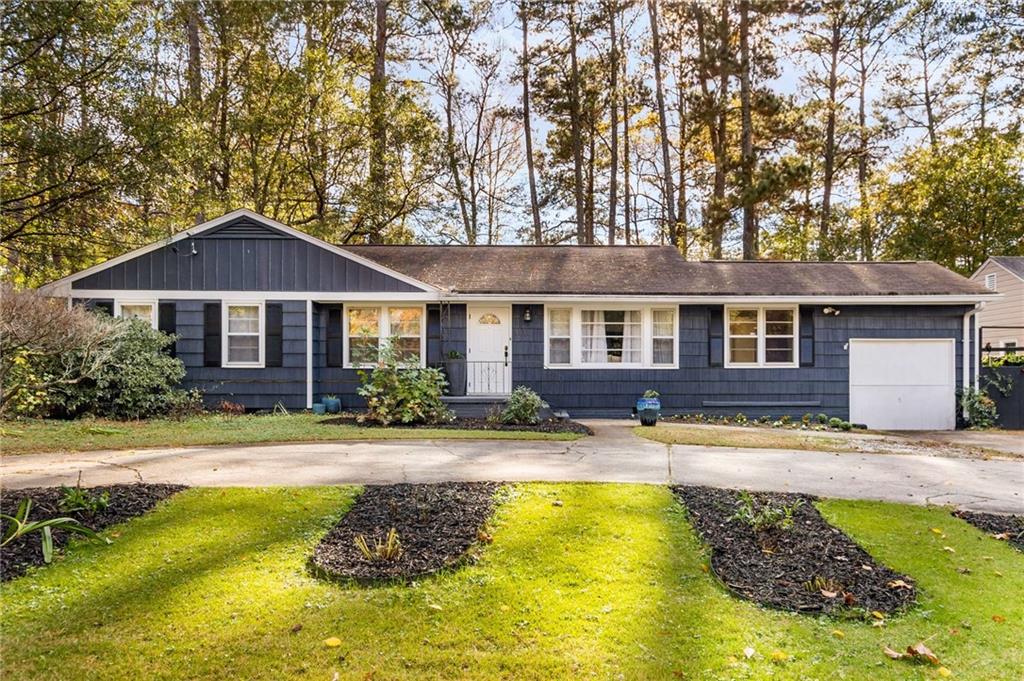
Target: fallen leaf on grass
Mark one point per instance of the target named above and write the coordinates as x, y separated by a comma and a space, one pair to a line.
915, 653
297, 628
779, 656
829, 594
964, 570
998, 573
838, 633
896, 655
899, 584
748, 652
332, 642
998, 619
434, 606
936, 530
950, 549
877, 615
944, 672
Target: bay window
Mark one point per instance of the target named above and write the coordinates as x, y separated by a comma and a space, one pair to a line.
243, 331
370, 327
610, 337
761, 336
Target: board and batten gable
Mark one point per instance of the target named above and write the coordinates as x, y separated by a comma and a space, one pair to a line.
243, 255
1007, 311
699, 386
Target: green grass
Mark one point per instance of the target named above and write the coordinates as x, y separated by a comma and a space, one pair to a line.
609, 585
754, 438
30, 436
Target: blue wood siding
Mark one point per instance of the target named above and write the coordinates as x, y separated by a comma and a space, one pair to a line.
255, 388
234, 262
697, 386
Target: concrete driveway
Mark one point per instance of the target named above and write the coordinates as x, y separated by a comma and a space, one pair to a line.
614, 454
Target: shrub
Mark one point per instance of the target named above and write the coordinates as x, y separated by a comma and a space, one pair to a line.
979, 407
523, 407
138, 381
806, 419
74, 499
18, 525
388, 550
398, 394
823, 419
786, 419
230, 408
836, 423
741, 419
768, 517
845, 425
1010, 359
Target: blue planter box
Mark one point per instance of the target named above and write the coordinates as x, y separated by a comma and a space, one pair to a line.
319, 409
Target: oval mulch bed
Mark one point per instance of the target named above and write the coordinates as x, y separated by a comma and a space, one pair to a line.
547, 426
812, 567
1005, 527
126, 502
436, 525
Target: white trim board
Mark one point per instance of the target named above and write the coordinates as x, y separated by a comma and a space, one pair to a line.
55, 287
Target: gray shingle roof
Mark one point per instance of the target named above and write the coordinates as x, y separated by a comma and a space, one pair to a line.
1012, 263
653, 270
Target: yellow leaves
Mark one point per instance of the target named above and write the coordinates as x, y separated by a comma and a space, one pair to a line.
949, 549
838, 633
332, 642
998, 619
434, 606
944, 672
918, 652
899, 584
877, 615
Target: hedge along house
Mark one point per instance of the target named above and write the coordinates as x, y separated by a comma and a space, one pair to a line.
265, 314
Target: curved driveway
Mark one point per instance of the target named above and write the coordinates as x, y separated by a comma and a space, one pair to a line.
614, 454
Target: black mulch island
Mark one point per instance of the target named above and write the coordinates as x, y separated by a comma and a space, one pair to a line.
1007, 527
126, 502
812, 567
466, 423
436, 525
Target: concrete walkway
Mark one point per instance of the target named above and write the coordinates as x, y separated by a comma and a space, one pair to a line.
614, 454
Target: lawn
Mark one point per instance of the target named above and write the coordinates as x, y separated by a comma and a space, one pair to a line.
607, 585
753, 438
29, 436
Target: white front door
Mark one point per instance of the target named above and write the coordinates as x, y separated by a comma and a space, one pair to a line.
488, 350
905, 384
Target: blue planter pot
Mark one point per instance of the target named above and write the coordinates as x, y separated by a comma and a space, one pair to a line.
648, 409
319, 409
332, 404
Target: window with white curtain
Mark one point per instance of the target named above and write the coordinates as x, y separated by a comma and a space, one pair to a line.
371, 326
610, 337
243, 345
144, 310
761, 336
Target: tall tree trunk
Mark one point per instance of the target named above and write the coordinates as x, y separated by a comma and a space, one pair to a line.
866, 241
538, 234
715, 119
682, 207
668, 199
613, 124
576, 137
591, 163
378, 179
468, 225
824, 245
223, 145
627, 207
195, 96
750, 246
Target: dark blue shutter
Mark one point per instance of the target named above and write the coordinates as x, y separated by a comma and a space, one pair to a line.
274, 348
167, 322
806, 336
335, 336
211, 335
716, 333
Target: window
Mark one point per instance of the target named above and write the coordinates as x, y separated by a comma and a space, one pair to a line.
560, 336
370, 327
243, 329
663, 337
610, 338
761, 336
990, 281
145, 310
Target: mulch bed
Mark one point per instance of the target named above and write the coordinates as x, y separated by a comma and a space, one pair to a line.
812, 567
547, 426
1007, 527
436, 525
126, 502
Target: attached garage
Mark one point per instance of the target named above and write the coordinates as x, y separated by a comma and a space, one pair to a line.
903, 384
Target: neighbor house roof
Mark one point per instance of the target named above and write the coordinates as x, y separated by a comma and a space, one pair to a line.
654, 270
1011, 263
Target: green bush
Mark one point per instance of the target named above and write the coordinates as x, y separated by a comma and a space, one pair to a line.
1010, 359
138, 381
741, 419
823, 419
979, 407
523, 407
835, 422
396, 393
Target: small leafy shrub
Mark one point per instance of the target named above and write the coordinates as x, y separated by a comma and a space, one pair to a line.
651, 394
76, 499
764, 419
388, 550
845, 425
1010, 359
806, 419
835, 423
399, 394
18, 525
523, 407
786, 419
741, 419
768, 517
229, 408
980, 408
823, 419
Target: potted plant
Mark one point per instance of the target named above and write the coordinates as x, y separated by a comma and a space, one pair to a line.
648, 408
319, 409
455, 368
332, 404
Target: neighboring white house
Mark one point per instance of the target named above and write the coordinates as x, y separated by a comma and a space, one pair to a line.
1002, 321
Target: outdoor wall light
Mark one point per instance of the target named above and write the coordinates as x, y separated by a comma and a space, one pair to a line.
831, 310
527, 316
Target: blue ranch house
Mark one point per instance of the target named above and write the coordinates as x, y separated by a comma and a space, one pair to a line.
264, 313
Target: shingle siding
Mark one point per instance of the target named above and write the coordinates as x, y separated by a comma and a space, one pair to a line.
696, 386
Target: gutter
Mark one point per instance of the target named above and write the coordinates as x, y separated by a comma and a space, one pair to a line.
967, 359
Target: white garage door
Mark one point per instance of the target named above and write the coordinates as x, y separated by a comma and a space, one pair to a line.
903, 384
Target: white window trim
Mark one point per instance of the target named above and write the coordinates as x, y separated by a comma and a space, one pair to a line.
576, 337
383, 327
761, 363
225, 304
118, 303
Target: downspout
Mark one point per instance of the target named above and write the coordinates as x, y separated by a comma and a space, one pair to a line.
967, 360
977, 348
